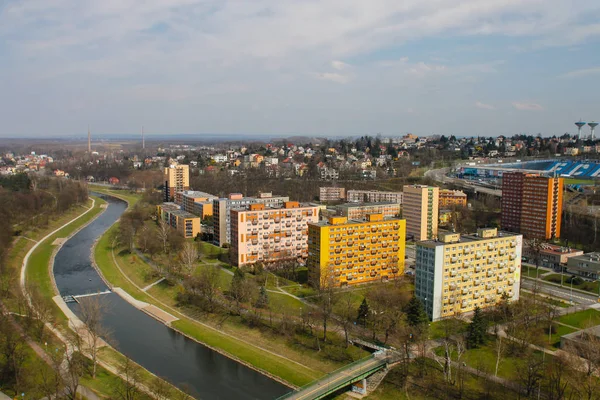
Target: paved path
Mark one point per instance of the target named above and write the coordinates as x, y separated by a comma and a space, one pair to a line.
152, 284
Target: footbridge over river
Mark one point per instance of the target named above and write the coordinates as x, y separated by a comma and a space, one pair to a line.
342, 377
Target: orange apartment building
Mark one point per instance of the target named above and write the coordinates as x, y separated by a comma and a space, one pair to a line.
187, 199
269, 234
532, 204
349, 252
176, 178
452, 198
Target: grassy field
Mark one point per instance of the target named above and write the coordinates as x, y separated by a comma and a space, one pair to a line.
38, 272
582, 319
37, 267
575, 181
126, 195
165, 294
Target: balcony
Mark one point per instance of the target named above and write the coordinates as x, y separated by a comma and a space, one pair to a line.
361, 247
395, 248
384, 256
466, 277
338, 251
254, 222
454, 259
490, 273
512, 257
288, 224
477, 282
464, 304
350, 232
361, 270
452, 273
476, 295
499, 290
478, 269
511, 269
511, 281
373, 252
350, 243
466, 264
337, 262
374, 262
384, 245
362, 236
452, 300
488, 286
513, 243
478, 255
265, 226
374, 240
361, 259
452, 286
255, 241
299, 218
502, 252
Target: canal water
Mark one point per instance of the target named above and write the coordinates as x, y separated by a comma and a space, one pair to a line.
158, 348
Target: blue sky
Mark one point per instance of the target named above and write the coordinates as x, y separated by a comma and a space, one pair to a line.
337, 67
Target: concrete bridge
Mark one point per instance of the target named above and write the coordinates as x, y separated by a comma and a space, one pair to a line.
341, 378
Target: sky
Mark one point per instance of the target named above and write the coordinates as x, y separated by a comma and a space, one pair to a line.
298, 67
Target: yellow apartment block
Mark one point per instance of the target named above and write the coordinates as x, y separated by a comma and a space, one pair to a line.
456, 273
351, 252
188, 225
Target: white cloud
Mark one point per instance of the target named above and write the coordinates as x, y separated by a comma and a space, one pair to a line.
581, 72
527, 106
339, 65
221, 54
334, 77
484, 106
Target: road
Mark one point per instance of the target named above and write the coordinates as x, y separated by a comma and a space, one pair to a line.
560, 292
439, 175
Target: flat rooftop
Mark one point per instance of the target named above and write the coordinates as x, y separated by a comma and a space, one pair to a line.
183, 214
357, 205
196, 193
471, 237
354, 221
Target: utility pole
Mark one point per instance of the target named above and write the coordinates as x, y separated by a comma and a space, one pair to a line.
89, 140
143, 140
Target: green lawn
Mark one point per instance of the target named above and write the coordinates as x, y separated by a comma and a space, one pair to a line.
37, 267
436, 329
574, 181
531, 271
126, 195
582, 319
278, 366
561, 330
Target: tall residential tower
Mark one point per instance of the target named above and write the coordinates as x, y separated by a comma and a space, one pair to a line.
177, 179
532, 204
420, 209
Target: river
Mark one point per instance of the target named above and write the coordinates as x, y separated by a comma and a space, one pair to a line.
161, 350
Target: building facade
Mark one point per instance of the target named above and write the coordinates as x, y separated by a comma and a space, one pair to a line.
332, 193
268, 234
358, 211
187, 224
374, 196
452, 198
187, 198
347, 252
420, 209
532, 204
457, 273
222, 212
176, 179
586, 265
551, 255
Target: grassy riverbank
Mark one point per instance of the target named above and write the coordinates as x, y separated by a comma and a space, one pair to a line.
259, 348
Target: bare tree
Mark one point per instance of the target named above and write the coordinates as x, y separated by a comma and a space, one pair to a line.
188, 257
326, 296
128, 387
585, 358
40, 308
160, 389
347, 314
92, 332
205, 286
163, 233
453, 344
